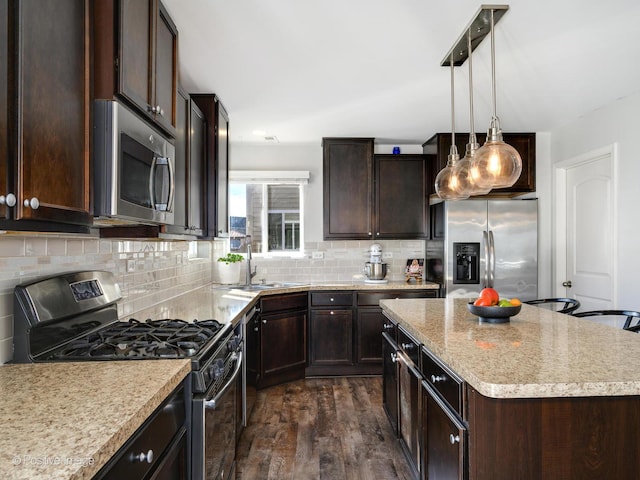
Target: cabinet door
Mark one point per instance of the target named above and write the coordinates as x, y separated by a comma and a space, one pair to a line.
409, 380
165, 77
368, 331
49, 141
196, 173
4, 98
282, 342
136, 52
180, 199
401, 196
390, 380
348, 188
331, 337
222, 172
444, 439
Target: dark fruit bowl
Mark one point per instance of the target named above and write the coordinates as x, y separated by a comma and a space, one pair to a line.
493, 314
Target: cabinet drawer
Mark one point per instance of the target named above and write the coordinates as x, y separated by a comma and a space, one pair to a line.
409, 345
373, 298
330, 299
155, 436
287, 301
390, 327
443, 380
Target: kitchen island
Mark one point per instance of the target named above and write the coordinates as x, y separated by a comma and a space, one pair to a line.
545, 395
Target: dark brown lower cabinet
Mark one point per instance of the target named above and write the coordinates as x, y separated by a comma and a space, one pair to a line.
331, 337
409, 400
282, 330
443, 439
390, 379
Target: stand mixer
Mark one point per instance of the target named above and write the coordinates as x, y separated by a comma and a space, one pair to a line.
375, 269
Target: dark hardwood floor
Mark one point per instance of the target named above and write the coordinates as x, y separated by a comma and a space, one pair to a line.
324, 428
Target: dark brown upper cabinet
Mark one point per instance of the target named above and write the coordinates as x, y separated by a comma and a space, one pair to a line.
217, 164
136, 58
524, 143
369, 196
45, 80
401, 196
189, 199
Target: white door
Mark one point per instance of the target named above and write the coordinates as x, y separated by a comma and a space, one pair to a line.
590, 232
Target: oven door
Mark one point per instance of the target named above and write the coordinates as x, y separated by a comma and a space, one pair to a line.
214, 426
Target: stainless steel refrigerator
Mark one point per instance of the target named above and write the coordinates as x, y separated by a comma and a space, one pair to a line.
485, 243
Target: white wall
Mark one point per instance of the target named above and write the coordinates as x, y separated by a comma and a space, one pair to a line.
616, 123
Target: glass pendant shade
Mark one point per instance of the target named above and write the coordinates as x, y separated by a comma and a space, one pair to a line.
452, 182
471, 169
497, 163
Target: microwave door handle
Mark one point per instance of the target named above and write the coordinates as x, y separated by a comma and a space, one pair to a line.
157, 160
172, 184
152, 180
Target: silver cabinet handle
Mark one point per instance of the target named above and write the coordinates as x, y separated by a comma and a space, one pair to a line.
453, 439
407, 346
33, 203
9, 200
142, 457
437, 378
394, 357
387, 326
264, 321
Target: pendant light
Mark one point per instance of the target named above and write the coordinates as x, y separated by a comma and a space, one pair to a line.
452, 183
467, 163
498, 164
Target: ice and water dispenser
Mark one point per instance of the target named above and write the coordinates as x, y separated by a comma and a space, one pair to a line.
466, 261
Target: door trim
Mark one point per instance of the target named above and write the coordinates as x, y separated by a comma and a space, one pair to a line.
559, 253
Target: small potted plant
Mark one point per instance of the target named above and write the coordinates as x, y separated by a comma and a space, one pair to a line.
229, 268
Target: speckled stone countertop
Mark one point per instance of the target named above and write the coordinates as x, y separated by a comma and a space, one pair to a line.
537, 354
227, 304
66, 420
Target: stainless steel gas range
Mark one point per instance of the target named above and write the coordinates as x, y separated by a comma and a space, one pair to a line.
73, 317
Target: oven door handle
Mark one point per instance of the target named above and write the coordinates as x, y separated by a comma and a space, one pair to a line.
211, 404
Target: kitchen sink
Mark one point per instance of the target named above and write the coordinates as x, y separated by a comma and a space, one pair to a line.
266, 286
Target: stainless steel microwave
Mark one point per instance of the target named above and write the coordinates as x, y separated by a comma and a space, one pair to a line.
133, 168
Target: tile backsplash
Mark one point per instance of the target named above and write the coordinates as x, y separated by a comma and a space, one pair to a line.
148, 272
151, 272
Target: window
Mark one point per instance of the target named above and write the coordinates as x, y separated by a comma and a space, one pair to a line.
268, 208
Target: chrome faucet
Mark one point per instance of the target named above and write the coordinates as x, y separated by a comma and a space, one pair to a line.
250, 274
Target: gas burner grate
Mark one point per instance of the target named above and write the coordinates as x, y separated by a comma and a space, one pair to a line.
133, 339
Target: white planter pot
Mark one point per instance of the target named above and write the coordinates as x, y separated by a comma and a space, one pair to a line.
229, 273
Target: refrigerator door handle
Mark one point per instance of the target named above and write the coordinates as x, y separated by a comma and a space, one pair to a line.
485, 244
492, 257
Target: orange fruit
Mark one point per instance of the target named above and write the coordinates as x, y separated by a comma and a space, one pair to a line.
516, 302
491, 295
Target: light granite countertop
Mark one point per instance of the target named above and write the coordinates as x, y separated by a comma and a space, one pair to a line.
66, 420
538, 353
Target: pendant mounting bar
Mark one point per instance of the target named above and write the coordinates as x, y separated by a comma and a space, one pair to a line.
477, 29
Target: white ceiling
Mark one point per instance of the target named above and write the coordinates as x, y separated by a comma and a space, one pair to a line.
303, 70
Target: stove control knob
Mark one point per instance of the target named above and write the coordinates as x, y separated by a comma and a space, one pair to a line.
217, 369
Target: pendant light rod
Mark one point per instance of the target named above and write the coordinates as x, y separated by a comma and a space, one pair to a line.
493, 65
472, 129
453, 110
477, 29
